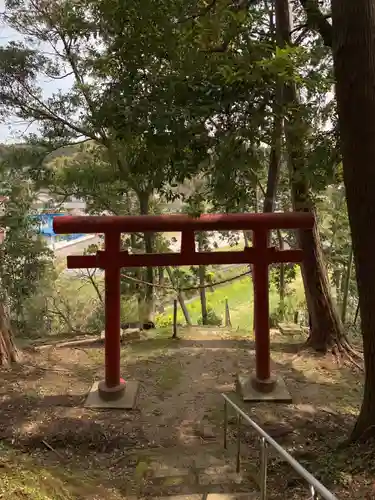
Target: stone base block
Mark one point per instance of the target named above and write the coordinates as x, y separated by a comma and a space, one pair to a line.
127, 400
248, 391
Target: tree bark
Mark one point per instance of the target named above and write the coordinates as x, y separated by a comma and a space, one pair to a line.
202, 282
272, 183
275, 155
354, 62
346, 285
148, 312
8, 351
180, 297
281, 315
246, 239
317, 21
326, 328
326, 332
161, 276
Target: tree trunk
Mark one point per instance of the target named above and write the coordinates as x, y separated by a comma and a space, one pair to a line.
161, 276
275, 155
246, 238
272, 183
180, 297
138, 275
326, 328
326, 331
354, 61
346, 285
8, 350
202, 294
202, 282
336, 278
281, 315
148, 310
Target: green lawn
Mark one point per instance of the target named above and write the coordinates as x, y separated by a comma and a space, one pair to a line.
239, 294
241, 302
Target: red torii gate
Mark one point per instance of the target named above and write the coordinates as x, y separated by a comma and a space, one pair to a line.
112, 259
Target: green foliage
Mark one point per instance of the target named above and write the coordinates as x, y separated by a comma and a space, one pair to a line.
24, 257
166, 320
336, 243
212, 318
162, 92
290, 273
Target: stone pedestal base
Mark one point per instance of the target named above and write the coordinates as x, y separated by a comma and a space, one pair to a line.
126, 397
254, 390
111, 393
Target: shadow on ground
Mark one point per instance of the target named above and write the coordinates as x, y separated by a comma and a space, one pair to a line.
181, 382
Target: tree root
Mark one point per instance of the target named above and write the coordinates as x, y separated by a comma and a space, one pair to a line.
341, 350
366, 435
344, 351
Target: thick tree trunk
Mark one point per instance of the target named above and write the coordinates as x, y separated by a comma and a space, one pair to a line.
354, 61
148, 310
8, 350
326, 328
326, 331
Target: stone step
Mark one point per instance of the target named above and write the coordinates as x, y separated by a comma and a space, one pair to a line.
188, 470
218, 479
182, 461
248, 495
206, 496
290, 329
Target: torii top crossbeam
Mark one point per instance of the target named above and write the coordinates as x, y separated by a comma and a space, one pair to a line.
180, 222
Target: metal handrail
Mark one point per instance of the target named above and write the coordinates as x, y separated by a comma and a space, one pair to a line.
316, 487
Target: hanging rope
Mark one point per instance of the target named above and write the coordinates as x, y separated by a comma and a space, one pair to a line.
185, 289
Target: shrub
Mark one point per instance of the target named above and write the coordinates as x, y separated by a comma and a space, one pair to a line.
212, 318
163, 320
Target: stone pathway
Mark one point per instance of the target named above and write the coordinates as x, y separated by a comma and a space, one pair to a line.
189, 472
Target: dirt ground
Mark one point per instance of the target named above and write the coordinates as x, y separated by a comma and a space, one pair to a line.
53, 447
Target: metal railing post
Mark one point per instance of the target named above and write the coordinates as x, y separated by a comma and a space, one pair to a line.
238, 461
314, 495
225, 423
317, 489
263, 468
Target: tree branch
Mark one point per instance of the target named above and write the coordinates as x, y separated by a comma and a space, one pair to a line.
46, 113
80, 81
317, 21
202, 12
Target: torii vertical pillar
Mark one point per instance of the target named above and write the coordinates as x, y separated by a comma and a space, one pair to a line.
113, 391
262, 384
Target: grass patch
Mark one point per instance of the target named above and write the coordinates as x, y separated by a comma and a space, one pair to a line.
240, 298
168, 377
155, 345
22, 478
